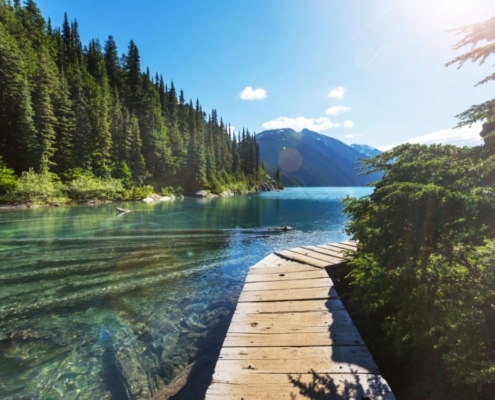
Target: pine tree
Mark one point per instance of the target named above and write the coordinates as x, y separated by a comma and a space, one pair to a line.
44, 116
65, 126
133, 78
112, 63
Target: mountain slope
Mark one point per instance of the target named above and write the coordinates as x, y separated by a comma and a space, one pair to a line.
368, 151
314, 159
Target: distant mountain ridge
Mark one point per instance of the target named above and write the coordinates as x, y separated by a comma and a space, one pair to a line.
366, 150
311, 159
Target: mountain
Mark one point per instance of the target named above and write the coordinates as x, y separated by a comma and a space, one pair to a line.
311, 158
368, 151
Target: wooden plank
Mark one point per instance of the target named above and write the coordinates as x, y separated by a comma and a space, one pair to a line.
289, 306
319, 256
347, 354
341, 335
293, 320
288, 285
337, 251
287, 276
336, 332
286, 267
294, 294
295, 360
302, 259
268, 260
281, 386
342, 246
351, 243
338, 256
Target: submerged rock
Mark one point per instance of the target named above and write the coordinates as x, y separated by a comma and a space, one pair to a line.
132, 374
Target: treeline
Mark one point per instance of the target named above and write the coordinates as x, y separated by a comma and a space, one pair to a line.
71, 109
423, 277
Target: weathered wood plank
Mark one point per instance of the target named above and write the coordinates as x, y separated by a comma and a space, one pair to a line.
268, 260
302, 259
319, 256
294, 294
336, 332
336, 252
286, 267
351, 243
281, 386
296, 360
288, 285
315, 273
338, 256
310, 318
289, 306
341, 336
343, 246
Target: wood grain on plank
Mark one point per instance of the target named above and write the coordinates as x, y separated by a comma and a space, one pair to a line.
308, 318
302, 258
293, 294
317, 255
342, 246
338, 256
287, 267
342, 336
288, 285
314, 273
294, 360
289, 306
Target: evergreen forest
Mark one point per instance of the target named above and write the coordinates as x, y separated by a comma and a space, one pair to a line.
81, 121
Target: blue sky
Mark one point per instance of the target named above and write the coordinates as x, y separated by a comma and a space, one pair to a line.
273, 63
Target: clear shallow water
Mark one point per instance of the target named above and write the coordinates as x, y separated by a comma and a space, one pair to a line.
83, 292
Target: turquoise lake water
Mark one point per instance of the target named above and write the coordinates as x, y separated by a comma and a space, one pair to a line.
82, 289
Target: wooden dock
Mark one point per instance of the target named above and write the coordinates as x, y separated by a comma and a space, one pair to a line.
291, 337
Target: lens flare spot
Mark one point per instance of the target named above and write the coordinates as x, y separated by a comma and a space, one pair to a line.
290, 160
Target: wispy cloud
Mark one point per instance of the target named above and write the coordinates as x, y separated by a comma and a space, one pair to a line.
300, 123
253, 94
349, 136
465, 136
337, 93
336, 110
348, 124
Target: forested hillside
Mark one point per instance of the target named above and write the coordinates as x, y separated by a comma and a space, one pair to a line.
74, 110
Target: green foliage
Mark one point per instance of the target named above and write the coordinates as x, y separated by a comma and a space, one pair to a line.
37, 188
424, 266
140, 192
88, 187
7, 178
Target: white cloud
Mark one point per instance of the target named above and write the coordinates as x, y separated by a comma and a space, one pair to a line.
232, 130
337, 93
300, 123
336, 110
348, 124
465, 136
349, 136
253, 94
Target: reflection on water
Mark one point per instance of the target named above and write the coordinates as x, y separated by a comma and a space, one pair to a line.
98, 306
